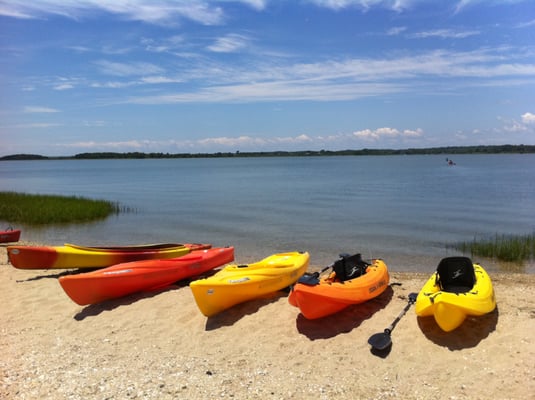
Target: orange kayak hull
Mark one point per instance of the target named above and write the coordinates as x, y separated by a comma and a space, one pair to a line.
330, 296
126, 278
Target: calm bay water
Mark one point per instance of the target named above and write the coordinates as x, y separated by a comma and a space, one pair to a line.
404, 209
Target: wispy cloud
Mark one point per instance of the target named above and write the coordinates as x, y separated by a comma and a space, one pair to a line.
118, 145
258, 5
128, 69
164, 45
38, 125
272, 91
396, 30
161, 12
229, 43
463, 4
344, 80
444, 34
64, 86
526, 24
37, 109
386, 132
395, 5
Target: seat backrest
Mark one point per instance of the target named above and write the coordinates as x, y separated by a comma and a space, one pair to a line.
349, 267
456, 274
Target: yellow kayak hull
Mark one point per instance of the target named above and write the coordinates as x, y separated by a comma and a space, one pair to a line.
75, 256
235, 284
451, 309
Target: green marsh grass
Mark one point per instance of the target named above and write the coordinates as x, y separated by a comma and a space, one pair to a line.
513, 248
33, 209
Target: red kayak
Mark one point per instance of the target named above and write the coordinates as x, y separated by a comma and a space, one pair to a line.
9, 235
126, 278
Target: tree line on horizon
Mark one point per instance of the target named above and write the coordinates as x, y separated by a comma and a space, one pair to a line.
495, 149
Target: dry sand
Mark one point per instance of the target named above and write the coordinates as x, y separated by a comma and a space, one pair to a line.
157, 345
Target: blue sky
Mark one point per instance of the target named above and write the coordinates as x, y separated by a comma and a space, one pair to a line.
261, 75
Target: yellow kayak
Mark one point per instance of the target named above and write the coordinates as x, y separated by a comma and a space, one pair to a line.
74, 256
236, 284
456, 290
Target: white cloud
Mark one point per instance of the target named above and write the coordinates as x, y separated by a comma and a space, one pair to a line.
159, 79
252, 141
258, 5
64, 86
515, 126
130, 69
396, 30
161, 12
166, 45
248, 141
395, 5
37, 109
38, 125
526, 24
527, 123
232, 141
464, 3
444, 34
386, 132
113, 84
339, 80
413, 133
118, 146
272, 91
229, 43
94, 124
528, 118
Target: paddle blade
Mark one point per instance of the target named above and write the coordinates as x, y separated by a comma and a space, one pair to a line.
380, 341
309, 279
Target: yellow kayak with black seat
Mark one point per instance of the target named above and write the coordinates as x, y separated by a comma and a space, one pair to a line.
456, 290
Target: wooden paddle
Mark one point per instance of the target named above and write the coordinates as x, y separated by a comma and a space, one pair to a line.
382, 340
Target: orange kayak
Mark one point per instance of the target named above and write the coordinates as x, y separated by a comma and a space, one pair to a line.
329, 295
74, 256
126, 278
9, 235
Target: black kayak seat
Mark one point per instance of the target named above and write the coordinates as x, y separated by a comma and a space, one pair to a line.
456, 274
349, 267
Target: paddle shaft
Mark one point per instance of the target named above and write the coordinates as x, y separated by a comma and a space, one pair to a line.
412, 300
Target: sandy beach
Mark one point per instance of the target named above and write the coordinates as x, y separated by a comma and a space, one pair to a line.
157, 345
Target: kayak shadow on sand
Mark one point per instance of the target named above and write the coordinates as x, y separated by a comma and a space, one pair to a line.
55, 275
235, 313
93, 310
344, 321
472, 331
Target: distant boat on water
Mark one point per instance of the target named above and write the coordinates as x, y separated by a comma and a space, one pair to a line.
450, 161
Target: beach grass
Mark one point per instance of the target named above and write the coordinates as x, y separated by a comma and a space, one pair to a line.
36, 209
512, 248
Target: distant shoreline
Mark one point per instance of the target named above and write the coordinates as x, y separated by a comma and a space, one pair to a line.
497, 149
